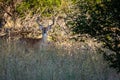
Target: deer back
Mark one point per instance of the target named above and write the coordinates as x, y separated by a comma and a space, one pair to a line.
31, 42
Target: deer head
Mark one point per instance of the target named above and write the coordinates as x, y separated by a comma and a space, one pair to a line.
44, 29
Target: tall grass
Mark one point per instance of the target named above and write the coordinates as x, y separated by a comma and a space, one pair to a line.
77, 62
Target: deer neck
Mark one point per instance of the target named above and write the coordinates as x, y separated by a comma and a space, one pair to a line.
44, 37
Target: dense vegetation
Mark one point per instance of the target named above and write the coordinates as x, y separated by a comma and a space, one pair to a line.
19, 62
98, 18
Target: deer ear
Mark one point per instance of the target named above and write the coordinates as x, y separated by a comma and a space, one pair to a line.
49, 27
40, 27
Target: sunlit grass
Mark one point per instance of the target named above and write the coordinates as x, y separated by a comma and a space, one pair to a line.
52, 62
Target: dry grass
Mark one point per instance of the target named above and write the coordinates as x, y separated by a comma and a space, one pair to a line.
78, 61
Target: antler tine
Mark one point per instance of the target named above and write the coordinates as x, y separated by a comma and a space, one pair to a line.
37, 20
53, 21
50, 26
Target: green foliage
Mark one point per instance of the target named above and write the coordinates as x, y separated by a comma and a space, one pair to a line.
100, 19
37, 6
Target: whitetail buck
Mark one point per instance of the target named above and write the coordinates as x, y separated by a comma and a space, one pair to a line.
35, 42
44, 29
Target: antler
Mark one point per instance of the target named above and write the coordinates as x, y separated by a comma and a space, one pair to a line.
40, 26
53, 22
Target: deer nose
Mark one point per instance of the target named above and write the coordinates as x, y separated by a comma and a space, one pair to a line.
44, 30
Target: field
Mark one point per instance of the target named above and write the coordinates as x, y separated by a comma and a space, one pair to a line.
78, 61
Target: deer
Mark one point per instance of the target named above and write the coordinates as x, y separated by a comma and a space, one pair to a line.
44, 29
40, 41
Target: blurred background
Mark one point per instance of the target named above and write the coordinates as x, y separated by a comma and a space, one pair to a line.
83, 43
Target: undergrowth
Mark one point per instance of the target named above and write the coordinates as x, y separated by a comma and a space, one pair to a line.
78, 61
